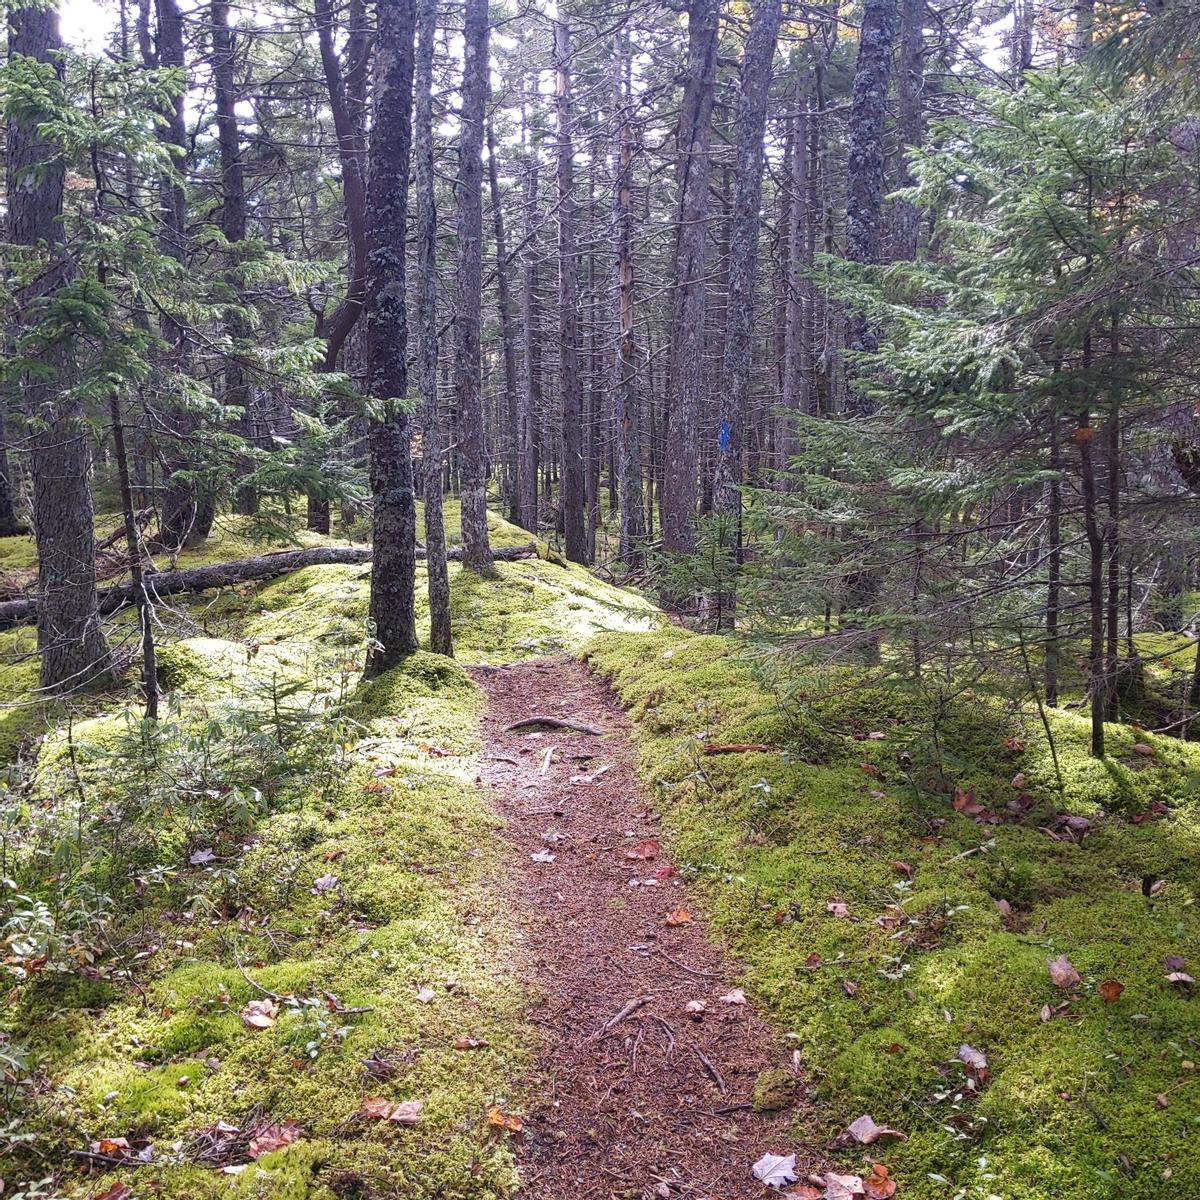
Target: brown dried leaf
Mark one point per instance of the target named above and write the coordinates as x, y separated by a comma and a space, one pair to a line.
843, 1187
1110, 990
643, 851
118, 1191
837, 908
678, 916
737, 996
1062, 974
260, 1014
867, 1133
499, 1119
879, 1185
403, 1112
273, 1137
469, 1043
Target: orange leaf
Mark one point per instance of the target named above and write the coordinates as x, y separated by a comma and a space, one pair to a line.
678, 916
642, 851
499, 1119
1110, 990
879, 1185
403, 1112
273, 1137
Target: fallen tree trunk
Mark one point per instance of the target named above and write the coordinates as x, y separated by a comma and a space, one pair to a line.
230, 574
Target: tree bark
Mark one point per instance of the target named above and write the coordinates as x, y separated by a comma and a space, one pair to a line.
743, 266
910, 122
393, 533
233, 226
73, 649
631, 536
472, 449
864, 167
572, 495
531, 392
688, 307
441, 638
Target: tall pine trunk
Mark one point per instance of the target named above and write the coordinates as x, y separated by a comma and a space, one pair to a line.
571, 393
472, 447
73, 649
393, 533
441, 639
688, 302
626, 408
743, 266
531, 391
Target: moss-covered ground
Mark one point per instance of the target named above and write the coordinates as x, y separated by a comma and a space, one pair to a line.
283, 835
886, 928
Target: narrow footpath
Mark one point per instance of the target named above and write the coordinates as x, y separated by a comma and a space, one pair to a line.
649, 1053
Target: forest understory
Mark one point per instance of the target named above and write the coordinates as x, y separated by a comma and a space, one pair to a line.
371, 941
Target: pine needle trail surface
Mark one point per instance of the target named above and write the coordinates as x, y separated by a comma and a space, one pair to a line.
634, 1094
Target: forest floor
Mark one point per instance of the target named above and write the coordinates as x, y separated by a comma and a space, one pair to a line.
306, 939
649, 1057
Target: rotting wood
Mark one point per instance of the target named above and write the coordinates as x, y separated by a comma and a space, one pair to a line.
230, 574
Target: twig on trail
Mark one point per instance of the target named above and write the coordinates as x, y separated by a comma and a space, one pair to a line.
629, 1007
596, 774
547, 758
710, 1067
683, 967
554, 723
670, 1050
504, 758
542, 812
732, 1108
108, 1160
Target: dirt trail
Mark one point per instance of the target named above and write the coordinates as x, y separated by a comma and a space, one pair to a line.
635, 1097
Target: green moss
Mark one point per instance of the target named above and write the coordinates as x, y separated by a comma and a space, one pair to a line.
881, 1000
774, 1089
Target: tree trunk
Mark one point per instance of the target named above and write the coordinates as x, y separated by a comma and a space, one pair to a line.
393, 533
441, 639
531, 393
10, 525
507, 335
631, 535
688, 306
1054, 564
74, 652
910, 124
472, 448
233, 226
1095, 541
864, 168
572, 496
743, 266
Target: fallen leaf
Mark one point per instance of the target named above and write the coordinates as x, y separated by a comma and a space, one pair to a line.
664, 872
1174, 962
1062, 974
542, 856
1018, 780
1046, 1012
837, 908
813, 961
643, 851
867, 1133
1142, 749
1180, 977
469, 1043
403, 1112
379, 1067
118, 1191
1110, 990
975, 1061
965, 803
879, 1185
326, 883
1004, 908
678, 916
737, 996
201, 857
260, 1014
843, 1187
775, 1169
905, 869
273, 1137
1161, 1100
499, 1119
806, 1191
696, 1009
117, 1147
849, 987
426, 994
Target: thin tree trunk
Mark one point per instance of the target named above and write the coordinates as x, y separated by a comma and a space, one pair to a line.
743, 269
393, 534
441, 639
1095, 541
573, 482
688, 306
472, 447
507, 334
1054, 564
910, 124
631, 534
531, 392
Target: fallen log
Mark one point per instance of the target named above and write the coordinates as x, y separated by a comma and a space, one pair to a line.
737, 748
231, 574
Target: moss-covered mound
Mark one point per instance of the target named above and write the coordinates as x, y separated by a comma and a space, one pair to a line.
896, 874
